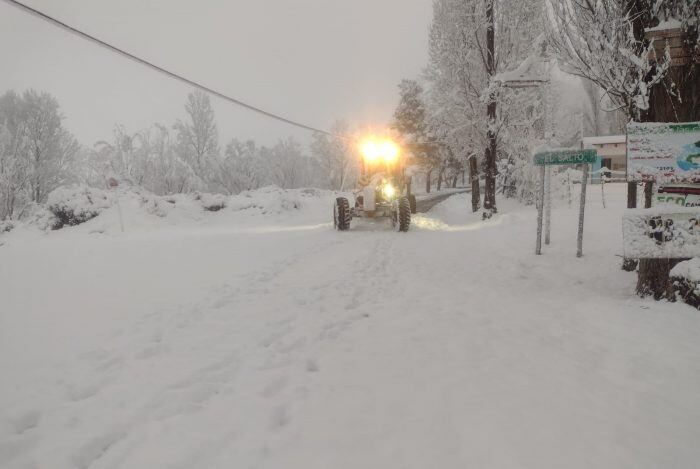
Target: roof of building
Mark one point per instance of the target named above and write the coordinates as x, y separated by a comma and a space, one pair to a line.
604, 140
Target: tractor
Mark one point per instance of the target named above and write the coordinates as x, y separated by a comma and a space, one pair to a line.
384, 189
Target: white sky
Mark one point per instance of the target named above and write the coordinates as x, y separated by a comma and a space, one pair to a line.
310, 60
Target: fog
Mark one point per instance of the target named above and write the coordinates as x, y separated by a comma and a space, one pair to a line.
309, 60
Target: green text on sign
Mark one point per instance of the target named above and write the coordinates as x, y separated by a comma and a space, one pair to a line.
566, 157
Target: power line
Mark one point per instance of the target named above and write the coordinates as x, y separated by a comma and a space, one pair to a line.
122, 52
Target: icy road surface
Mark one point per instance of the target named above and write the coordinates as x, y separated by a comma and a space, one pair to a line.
279, 343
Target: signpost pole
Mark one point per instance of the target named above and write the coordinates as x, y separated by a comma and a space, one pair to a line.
582, 158
548, 205
540, 204
584, 183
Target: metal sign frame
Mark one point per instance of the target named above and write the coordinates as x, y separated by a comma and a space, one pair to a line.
545, 160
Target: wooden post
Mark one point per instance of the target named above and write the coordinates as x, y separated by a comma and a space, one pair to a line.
648, 193
548, 204
582, 210
540, 209
631, 195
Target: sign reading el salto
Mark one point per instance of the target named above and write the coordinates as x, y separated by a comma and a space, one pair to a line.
663, 152
560, 157
544, 160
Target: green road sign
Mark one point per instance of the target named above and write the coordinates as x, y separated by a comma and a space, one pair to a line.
566, 157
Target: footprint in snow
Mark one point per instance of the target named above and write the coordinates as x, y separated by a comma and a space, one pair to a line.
25, 421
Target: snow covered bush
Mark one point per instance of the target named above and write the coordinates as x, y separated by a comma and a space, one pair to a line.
686, 281
38, 216
211, 202
76, 204
6, 226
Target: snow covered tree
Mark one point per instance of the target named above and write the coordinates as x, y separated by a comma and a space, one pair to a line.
14, 173
147, 158
411, 122
288, 167
242, 168
335, 157
471, 42
604, 42
198, 137
37, 151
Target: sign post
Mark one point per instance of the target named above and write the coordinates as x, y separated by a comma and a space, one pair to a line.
582, 158
548, 204
582, 210
540, 209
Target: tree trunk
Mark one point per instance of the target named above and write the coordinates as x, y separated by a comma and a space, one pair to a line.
439, 181
492, 147
454, 182
675, 99
427, 181
654, 278
474, 181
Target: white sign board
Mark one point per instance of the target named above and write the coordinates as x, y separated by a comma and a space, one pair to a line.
663, 152
664, 232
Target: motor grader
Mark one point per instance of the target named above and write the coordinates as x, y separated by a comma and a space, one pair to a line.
384, 189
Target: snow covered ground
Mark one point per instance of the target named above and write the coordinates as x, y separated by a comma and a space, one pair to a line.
258, 337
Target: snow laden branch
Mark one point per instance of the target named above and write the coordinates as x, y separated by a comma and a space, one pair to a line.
597, 41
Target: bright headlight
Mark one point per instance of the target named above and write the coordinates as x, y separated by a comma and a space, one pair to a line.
370, 151
388, 191
389, 151
377, 151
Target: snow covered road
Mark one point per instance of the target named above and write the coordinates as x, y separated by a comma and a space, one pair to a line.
289, 345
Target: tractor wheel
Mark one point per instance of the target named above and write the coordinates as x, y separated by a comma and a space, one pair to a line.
412, 202
401, 219
341, 214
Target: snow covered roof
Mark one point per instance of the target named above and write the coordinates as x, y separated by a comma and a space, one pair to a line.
606, 139
530, 70
665, 25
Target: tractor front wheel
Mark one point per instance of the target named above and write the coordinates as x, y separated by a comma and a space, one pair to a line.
341, 214
401, 218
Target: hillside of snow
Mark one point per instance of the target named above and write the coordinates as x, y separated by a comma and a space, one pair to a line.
256, 336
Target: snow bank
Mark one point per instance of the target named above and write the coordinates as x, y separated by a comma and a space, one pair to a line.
688, 269
136, 210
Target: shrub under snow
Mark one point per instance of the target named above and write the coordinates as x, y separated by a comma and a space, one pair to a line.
686, 281
211, 202
76, 204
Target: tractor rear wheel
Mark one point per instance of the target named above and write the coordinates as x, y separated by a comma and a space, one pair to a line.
401, 218
341, 214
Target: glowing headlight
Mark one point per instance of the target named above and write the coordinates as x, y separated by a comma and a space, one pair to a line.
388, 191
370, 151
375, 151
389, 151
